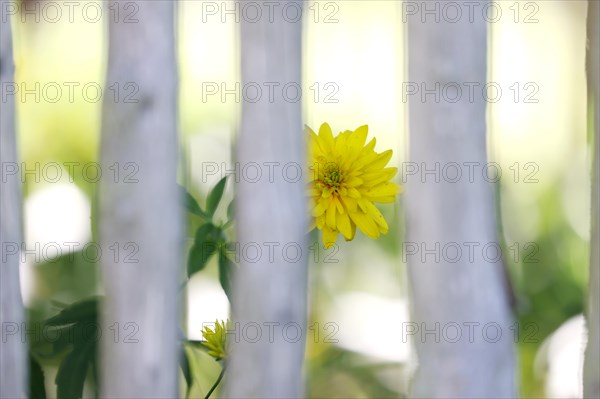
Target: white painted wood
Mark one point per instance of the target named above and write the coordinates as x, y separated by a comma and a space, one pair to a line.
13, 377
140, 209
470, 290
591, 368
271, 290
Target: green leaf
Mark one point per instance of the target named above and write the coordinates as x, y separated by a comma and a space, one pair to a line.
85, 331
73, 371
37, 389
184, 363
71, 326
214, 197
191, 204
225, 272
231, 210
197, 345
205, 245
83, 310
95, 372
66, 336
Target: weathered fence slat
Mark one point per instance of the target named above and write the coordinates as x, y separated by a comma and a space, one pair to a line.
468, 292
13, 378
591, 369
140, 219
270, 290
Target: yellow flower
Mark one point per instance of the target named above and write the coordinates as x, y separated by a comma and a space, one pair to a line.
346, 178
216, 341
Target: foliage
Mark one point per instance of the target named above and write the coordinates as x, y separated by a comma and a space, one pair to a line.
73, 334
210, 237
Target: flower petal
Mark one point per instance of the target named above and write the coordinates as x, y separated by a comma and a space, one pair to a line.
382, 190
319, 209
326, 136
377, 217
365, 223
329, 236
345, 227
330, 215
381, 160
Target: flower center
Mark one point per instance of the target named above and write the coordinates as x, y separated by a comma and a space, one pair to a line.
333, 177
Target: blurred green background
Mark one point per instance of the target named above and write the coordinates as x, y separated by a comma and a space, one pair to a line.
364, 293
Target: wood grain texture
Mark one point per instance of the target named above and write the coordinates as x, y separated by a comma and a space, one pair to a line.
141, 210
13, 364
471, 289
271, 289
591, 368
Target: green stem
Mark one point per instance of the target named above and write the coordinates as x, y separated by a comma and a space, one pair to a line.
215, 384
